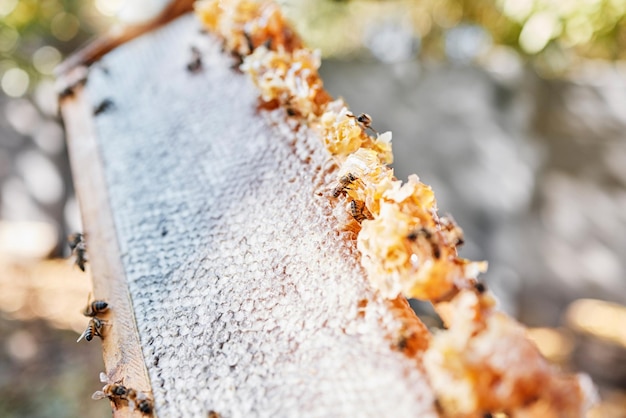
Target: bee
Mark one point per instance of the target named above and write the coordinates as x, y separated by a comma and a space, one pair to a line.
81, 258
358, 211
428, 236
365, 121
96, 307
114, 391
344, 184
213, 414
414, 235
195, 64
402, 343
249, 42
480, 287
70, 89
145, 406
75, 239
105, 105
140, 401
79, 248
452, 231
94, 328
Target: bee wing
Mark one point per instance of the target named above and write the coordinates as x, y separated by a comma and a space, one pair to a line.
82, 335
97, 395
104, 378
72, 240
131, 404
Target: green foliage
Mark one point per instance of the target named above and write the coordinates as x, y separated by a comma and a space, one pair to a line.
26, 26
553, 33
538, 29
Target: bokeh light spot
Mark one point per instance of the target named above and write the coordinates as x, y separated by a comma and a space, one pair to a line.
22, 116
8, 39
7, 6
45, 97
64, 26
599, 318
22, 13
447, 14
391, 42
538, 31
579, 30
15, 82
41, 177
26, 240
21, 346
517, 10
108, 7
140, 11
46, 58
49, 137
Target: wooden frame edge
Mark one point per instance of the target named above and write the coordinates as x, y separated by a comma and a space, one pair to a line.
121, 347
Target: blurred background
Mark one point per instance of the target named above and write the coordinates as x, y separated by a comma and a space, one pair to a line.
513, 110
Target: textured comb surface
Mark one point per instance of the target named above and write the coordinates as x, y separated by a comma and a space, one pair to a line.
246, 296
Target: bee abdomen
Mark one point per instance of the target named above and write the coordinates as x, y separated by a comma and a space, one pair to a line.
145, 406
99, 306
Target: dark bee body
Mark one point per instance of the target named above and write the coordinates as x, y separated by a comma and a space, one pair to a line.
429, 237
358, 210
249, 42
413, 236
402, 343
94, 328
105, 105
140, 401
120, 394
195, 64
145, 406
79, 249
344, 184
81, 258
96, 307
116, 392
67, 92
365, 121
452, 231
74, 240
71, 89
480, 287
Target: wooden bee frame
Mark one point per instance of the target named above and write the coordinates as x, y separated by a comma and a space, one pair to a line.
211, 234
